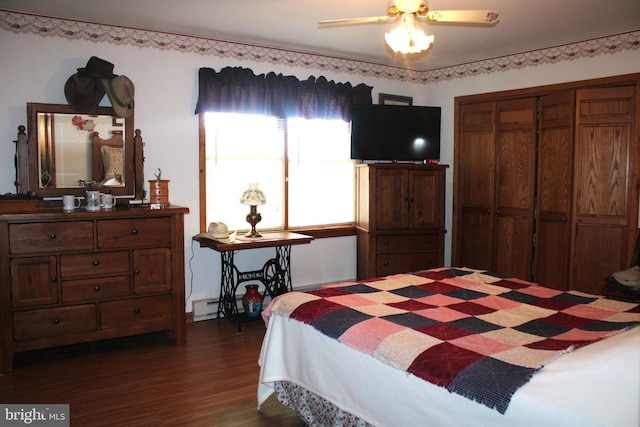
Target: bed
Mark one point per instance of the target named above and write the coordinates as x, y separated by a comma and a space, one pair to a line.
452, 346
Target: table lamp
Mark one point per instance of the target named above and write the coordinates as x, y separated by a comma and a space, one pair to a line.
253, 197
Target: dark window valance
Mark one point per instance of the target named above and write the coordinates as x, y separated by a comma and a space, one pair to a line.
239, 90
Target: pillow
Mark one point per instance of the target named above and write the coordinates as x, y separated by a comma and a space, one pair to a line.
113, 160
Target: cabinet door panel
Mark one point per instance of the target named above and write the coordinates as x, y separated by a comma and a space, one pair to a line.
512, 256
474, 236
391, 198
600, 251
552, 251
601, 170
151, 270
424, 200
34, 281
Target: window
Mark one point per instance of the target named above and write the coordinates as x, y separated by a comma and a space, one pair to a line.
302, 166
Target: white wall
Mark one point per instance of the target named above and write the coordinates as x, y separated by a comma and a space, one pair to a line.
34, 69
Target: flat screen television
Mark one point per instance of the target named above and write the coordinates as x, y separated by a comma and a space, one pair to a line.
395, 133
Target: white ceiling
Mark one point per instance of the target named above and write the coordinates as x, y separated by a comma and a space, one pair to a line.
524, 25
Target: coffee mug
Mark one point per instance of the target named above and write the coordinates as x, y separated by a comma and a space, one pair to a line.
107, 200
93, 201
69, 202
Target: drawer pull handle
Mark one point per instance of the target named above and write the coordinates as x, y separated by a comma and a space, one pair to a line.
386, 263
96, 263
52, 235
136, 310
56, 321
386, 242
54, 279
134, 231
136, 271
97, 288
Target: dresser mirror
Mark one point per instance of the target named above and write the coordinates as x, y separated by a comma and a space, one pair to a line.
71, 152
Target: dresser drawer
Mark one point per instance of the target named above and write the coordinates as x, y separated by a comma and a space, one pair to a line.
127, 233
407, 243
405, 263
54, 322
115, 314
50, 236
94, 289
94, 264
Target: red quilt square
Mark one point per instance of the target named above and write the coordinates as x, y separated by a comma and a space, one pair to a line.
328, 292
471, 308
411, 305
441, 363
510, 284
555, 344
567, 320
311, 310
444, 331
438, 287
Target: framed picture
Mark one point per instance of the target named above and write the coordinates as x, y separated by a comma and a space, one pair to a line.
388, 99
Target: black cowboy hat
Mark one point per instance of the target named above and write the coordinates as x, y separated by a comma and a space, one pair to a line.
84, 90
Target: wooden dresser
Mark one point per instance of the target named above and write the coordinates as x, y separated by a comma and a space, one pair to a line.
400, 218
78, 277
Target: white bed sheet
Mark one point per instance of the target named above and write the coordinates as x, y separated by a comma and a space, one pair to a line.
597, 385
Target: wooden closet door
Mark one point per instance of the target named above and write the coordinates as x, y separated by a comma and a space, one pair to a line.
605, 147
474, 186
554, 191
515, 158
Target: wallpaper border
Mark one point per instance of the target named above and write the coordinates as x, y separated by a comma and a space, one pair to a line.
70, 29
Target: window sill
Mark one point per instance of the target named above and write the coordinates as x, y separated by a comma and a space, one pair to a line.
323, 232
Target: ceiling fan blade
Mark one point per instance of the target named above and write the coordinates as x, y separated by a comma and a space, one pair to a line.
369, 20
467, 16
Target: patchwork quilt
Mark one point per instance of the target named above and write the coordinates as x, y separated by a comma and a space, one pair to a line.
474, 333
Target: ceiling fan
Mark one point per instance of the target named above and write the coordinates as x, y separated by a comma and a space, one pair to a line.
408, 38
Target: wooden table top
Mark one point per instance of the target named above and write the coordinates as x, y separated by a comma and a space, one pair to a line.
268, 240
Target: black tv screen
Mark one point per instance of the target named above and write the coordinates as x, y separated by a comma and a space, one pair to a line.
395, 133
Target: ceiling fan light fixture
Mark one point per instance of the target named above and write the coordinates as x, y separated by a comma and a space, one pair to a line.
408, 38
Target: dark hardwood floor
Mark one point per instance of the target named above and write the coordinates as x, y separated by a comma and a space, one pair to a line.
147, 381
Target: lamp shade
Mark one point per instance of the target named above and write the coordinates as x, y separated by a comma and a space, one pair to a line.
408, 38
253, 196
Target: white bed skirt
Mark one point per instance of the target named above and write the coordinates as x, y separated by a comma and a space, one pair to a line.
597, 385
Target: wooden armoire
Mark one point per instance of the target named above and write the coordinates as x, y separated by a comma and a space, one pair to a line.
546, 181
400, 218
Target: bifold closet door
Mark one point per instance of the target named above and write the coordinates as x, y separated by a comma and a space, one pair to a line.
515, 179
555, 190
604, 196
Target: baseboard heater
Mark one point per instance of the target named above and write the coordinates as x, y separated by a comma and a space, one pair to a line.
205, 309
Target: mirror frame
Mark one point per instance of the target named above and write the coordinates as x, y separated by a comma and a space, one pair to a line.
132, 148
